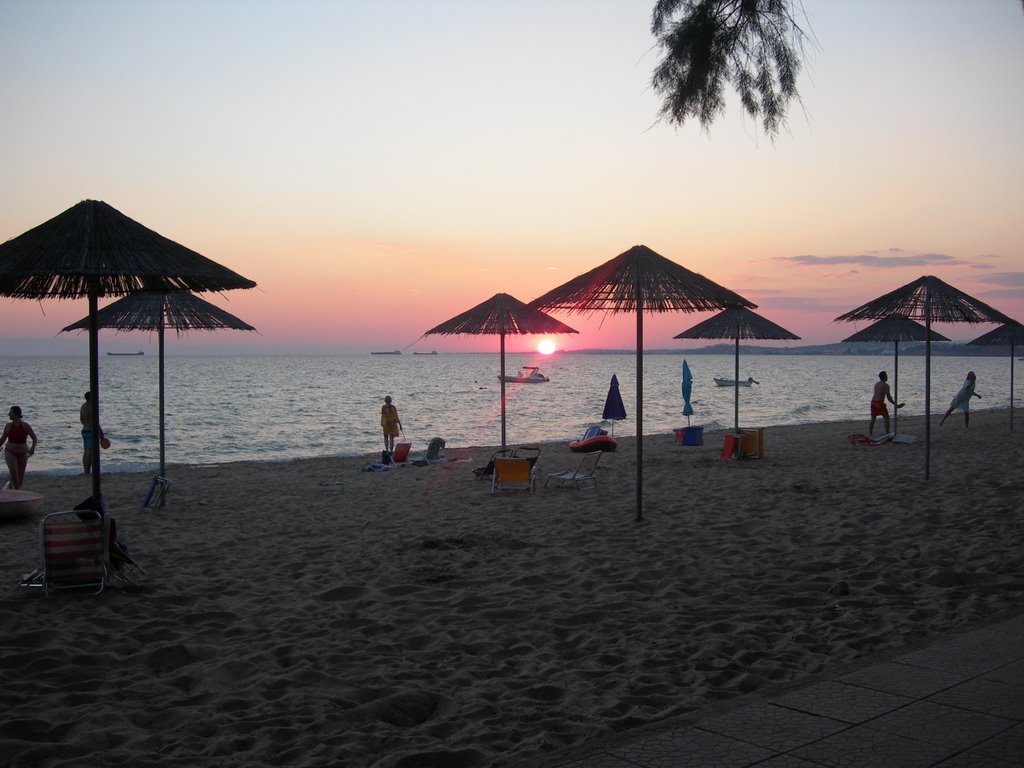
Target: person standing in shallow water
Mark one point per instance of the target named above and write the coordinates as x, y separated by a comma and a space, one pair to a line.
389, 423
16, 435
85, 416
962, 400
880, 394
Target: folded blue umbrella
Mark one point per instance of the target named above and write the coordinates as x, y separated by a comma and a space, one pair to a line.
614, 410
687, 389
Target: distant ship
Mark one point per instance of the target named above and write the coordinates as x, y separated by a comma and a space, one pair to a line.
127, 354
424, 353
395, 352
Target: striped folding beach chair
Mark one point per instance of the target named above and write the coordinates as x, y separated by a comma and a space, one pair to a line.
75, 552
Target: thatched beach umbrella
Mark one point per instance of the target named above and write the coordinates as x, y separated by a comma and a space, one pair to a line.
638, 281
895, 329
92, 250
500, 316
1008, 334
930, 300
737, 323
180, 310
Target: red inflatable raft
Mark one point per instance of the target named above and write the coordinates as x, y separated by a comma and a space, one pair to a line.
595, 439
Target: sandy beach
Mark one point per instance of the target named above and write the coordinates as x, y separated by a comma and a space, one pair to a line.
305, 613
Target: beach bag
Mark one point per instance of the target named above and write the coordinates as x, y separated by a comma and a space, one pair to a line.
385, 457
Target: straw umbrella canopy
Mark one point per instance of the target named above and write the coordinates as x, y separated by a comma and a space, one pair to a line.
737, 323
92, 250
1008, 334
930, 300
895, 329
500, 316
181, 310
639, 281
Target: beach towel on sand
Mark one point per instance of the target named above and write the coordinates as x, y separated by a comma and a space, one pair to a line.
859, 439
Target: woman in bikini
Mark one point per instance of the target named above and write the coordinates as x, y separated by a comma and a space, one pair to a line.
16, 448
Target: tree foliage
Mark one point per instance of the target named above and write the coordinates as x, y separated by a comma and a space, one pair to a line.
756, 46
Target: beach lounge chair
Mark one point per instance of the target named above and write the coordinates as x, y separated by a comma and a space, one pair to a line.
75, 552
583, 472
732, 447
513, 474
433, 453
156, 496
528, 452
488, 469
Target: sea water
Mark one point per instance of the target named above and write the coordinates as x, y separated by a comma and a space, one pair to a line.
252, 408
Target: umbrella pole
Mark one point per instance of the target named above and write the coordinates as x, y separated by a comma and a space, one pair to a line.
160, 340
736, 388
896, 387
927, 381
94, 387
502, 377
639, 402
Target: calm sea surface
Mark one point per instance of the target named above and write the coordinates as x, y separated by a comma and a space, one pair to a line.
236, 408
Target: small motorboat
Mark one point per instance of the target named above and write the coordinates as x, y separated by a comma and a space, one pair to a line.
594, 439
529, 375
733, 382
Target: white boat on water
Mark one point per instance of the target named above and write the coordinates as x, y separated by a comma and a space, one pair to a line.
529, 375
732, 382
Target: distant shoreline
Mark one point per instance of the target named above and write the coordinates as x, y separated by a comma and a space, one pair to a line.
860, 349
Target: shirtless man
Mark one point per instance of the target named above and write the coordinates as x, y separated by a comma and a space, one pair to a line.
878, 406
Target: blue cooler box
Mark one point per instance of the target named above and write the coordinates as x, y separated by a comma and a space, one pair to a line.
690, 436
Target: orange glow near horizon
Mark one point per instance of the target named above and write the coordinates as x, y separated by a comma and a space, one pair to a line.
546, 346
364, 228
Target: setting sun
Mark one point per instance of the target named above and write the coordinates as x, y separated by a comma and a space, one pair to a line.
546, 346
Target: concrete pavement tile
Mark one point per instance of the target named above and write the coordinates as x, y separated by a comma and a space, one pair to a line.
839, 701
987, 696
595, 761
1012, 674
787, 761
1007, 745
976, 760
941, 724
864, 747
972, 654
689, 748
771, 726
903, 679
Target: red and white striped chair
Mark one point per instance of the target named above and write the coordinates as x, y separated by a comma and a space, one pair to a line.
75, 549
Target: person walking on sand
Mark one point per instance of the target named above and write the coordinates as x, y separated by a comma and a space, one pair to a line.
85, 416
390, 424
962, 400
16, 435
878, 406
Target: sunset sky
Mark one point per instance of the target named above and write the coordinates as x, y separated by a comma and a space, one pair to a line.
380, 167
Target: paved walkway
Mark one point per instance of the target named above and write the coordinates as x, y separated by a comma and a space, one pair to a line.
957, 703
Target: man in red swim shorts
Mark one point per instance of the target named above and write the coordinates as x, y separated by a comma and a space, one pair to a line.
878, 406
